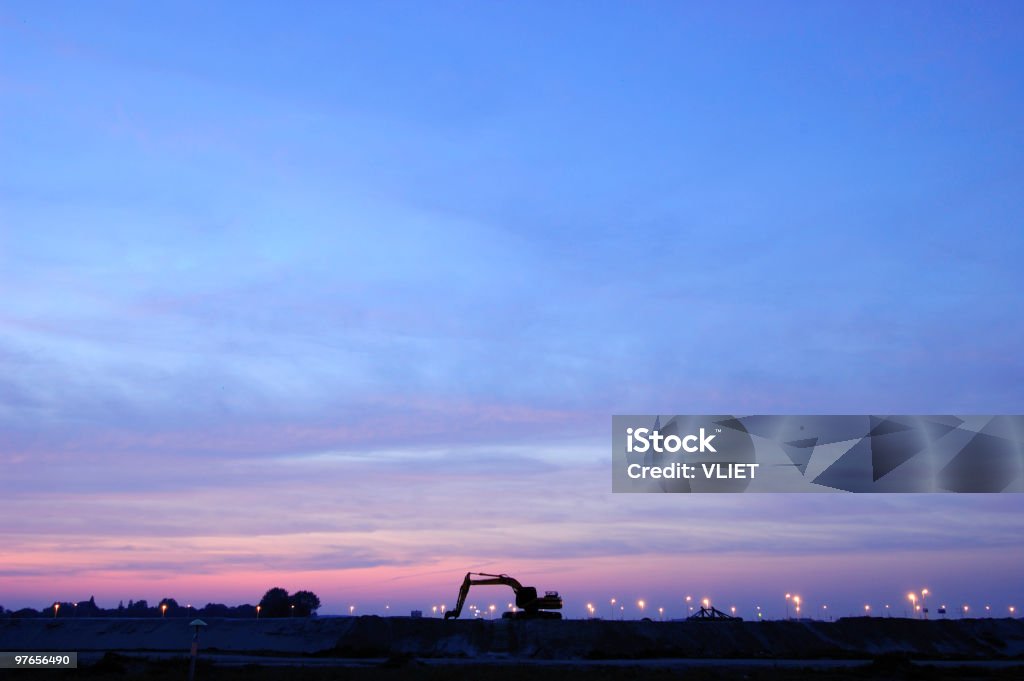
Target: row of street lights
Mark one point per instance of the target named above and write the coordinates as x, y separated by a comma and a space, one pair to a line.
641, 605
919, 609
917, 599
163, 609
619, 608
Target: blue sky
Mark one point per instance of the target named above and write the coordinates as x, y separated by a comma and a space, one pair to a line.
251, 247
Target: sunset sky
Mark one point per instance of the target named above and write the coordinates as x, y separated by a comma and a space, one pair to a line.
342, 296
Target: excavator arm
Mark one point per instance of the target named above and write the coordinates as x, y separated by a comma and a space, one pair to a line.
526, 596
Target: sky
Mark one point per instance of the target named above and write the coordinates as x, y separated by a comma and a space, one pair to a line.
342, 296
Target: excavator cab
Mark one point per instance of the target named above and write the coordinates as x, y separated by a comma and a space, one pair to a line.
526, 595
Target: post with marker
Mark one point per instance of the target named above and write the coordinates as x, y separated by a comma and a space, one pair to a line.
195, 624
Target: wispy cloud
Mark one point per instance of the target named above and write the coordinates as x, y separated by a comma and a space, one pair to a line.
266, 313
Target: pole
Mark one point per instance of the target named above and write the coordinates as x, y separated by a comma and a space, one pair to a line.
195, 653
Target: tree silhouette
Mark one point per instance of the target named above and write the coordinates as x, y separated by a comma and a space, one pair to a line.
137, 608
215, 610
88, 608
275, 603
305, 602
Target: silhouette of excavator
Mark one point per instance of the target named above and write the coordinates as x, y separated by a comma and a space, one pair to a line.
528, 604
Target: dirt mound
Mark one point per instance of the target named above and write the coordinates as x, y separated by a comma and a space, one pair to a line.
404, 638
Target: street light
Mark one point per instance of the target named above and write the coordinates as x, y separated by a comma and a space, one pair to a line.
56, 607
641, 604
258, 608
351, 610
867, 610
433, 609
924, 607
913, 600
661, 614
491, 608
163, 609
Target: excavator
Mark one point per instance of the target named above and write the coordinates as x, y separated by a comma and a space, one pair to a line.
528, 604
